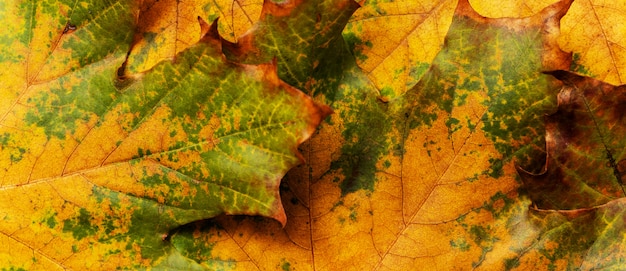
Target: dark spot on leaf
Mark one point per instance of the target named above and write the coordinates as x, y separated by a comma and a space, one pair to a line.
510, 264
51, 222
69, 28
353, 215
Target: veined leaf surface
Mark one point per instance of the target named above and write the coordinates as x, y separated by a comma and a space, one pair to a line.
578, 197
99, 165
424, 177
437, 110
165, 27
390, 173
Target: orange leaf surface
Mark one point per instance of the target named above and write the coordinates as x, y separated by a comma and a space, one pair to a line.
594, 31
100, 165
439, 155
393, 193
395, 62
166, 28
445, 194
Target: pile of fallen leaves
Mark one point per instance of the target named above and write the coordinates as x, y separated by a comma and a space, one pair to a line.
135, 135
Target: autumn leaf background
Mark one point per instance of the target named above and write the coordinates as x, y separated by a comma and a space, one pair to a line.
153, 135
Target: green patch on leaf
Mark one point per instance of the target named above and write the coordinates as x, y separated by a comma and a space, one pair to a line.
51, 221
364, 145
354, 42
106, 33
578, 67
499, 204
353, 213
416, 72
285, 265
186, 241
479, 234
510, 264
460, 244
80, 226
73, 100
387, 164
8, 144
386, 91
28, 11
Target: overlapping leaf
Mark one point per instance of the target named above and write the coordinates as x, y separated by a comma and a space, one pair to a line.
166, 28
582, 239
579, 195
594, 31
416, 169
99, 165
385, 34
585, 147
426, 178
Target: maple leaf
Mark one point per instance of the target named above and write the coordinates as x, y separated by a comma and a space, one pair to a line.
99, 164
393, 194
166, 28
438, 109
577, 197
384, 34
593, 30
584, 144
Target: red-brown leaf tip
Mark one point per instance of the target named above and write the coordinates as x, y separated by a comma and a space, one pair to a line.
209, 33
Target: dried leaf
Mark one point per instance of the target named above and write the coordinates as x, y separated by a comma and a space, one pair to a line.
585, 147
